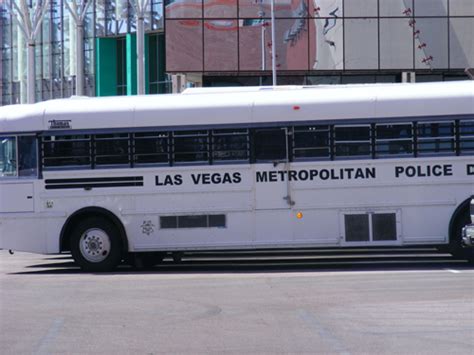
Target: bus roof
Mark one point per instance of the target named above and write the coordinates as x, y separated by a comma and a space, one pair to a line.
242, 105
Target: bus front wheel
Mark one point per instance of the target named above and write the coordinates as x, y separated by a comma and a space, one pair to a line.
95, 245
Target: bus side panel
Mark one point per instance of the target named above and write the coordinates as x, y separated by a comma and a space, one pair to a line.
23, 233
273, 227
146, 233
317, 226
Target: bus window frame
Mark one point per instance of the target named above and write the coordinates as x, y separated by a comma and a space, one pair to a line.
38, 165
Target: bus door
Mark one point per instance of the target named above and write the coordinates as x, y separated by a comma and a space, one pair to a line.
18, 169
273, 198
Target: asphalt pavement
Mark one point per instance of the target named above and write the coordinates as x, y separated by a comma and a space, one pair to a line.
312, 303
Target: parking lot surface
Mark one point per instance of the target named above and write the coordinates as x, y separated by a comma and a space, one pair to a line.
239, 304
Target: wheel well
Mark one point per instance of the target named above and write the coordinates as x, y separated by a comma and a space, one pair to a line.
84, 213
462, 208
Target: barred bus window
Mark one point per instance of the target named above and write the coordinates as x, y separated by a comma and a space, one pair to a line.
230, 145
466, 136
393, 140
352, 141
66, 151
311, 142
435, 138
151, 148
112, 149
190, 146
270, 144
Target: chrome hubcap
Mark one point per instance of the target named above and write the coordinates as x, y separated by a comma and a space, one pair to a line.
94, 245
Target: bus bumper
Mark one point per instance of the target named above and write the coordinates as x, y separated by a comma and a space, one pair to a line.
468, 236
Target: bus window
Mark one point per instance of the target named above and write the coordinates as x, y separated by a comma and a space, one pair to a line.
466, 136
270, 144
393, 140
311, 142
8, 156
191, 146
27, 156
112, 149
352, 141
230, 145
66, 151
151, 148
436, 138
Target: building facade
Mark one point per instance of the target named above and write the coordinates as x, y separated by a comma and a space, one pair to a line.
108, 53
228, 42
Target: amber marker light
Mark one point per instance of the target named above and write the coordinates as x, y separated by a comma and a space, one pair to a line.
299, 215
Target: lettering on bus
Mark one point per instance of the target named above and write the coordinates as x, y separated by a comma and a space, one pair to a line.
331, 174
59, 124
313, 174
412, 171
199, 179
470, 169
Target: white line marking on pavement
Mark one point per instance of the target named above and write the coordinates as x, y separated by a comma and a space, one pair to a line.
50, 336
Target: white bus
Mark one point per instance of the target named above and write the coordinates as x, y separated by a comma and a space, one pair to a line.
387, 165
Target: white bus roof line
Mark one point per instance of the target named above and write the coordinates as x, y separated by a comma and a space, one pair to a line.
225, 106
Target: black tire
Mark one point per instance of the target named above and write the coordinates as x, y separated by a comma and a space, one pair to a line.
455, 244
95, 245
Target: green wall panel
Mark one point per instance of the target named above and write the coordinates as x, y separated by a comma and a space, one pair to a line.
131, 64
106, 67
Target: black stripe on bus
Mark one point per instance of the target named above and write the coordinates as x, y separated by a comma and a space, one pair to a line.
90, 186
101, 179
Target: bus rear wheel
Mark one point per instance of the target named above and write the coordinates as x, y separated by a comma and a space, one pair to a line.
95, 245
456, 247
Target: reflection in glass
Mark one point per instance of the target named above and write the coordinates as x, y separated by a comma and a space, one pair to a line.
183, 8
461, 45
220, 9
431, 43
253, 35
326, 43
431, 7
292, 49
396, 43
283, 8
360, 8
291, 44
184, 45
325, 8
220, 45
396, 8
361, 44
461, 8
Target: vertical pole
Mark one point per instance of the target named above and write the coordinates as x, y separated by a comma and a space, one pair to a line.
79, 59
263, 49
31, 76
140, 55
263, 53
274, 77
261, 14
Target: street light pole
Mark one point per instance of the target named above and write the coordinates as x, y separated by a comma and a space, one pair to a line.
274, 76
262, 40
